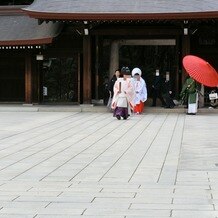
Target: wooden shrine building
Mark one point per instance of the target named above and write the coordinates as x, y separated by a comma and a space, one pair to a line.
63, 50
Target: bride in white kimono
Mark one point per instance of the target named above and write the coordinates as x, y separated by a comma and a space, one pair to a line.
140, 91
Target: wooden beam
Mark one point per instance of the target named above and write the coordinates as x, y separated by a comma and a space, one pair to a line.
148, 42
28, 80
53, 15
87, 97
137, 31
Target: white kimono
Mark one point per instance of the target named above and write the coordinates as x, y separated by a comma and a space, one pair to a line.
141, 91
193, 107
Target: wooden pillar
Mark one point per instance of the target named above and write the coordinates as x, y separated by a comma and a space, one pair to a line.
96, 67
34, 80
114, 57
201, 96
185, 51
87, 95
79, 77
177, 69
40, 82
28, 80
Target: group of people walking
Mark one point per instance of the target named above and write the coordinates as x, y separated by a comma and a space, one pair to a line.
128, 93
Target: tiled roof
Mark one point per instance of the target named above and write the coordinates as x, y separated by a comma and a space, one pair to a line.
22, 30
123, 9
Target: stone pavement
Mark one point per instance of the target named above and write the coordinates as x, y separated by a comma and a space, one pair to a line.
93, 166
91, 108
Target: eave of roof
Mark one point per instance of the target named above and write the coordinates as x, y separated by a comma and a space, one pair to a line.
12, 9
122, 10
19, 29
113, 17
26, 42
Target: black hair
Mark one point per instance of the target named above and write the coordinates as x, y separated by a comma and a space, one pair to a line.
125, 70
117, 70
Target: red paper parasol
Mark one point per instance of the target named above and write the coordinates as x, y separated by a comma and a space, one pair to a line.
200, 70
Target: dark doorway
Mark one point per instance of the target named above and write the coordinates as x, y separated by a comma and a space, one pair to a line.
12, 79
61, 80
150, 58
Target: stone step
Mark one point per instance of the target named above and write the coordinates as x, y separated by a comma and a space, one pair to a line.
91, 108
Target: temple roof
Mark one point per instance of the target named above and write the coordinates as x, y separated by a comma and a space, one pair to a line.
123, 9
19, 29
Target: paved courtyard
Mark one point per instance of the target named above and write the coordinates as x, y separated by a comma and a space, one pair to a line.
93, 166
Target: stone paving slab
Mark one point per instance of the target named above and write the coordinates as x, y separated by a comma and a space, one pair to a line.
91, 165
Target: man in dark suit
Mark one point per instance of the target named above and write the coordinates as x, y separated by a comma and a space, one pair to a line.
168, 92
157, 89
